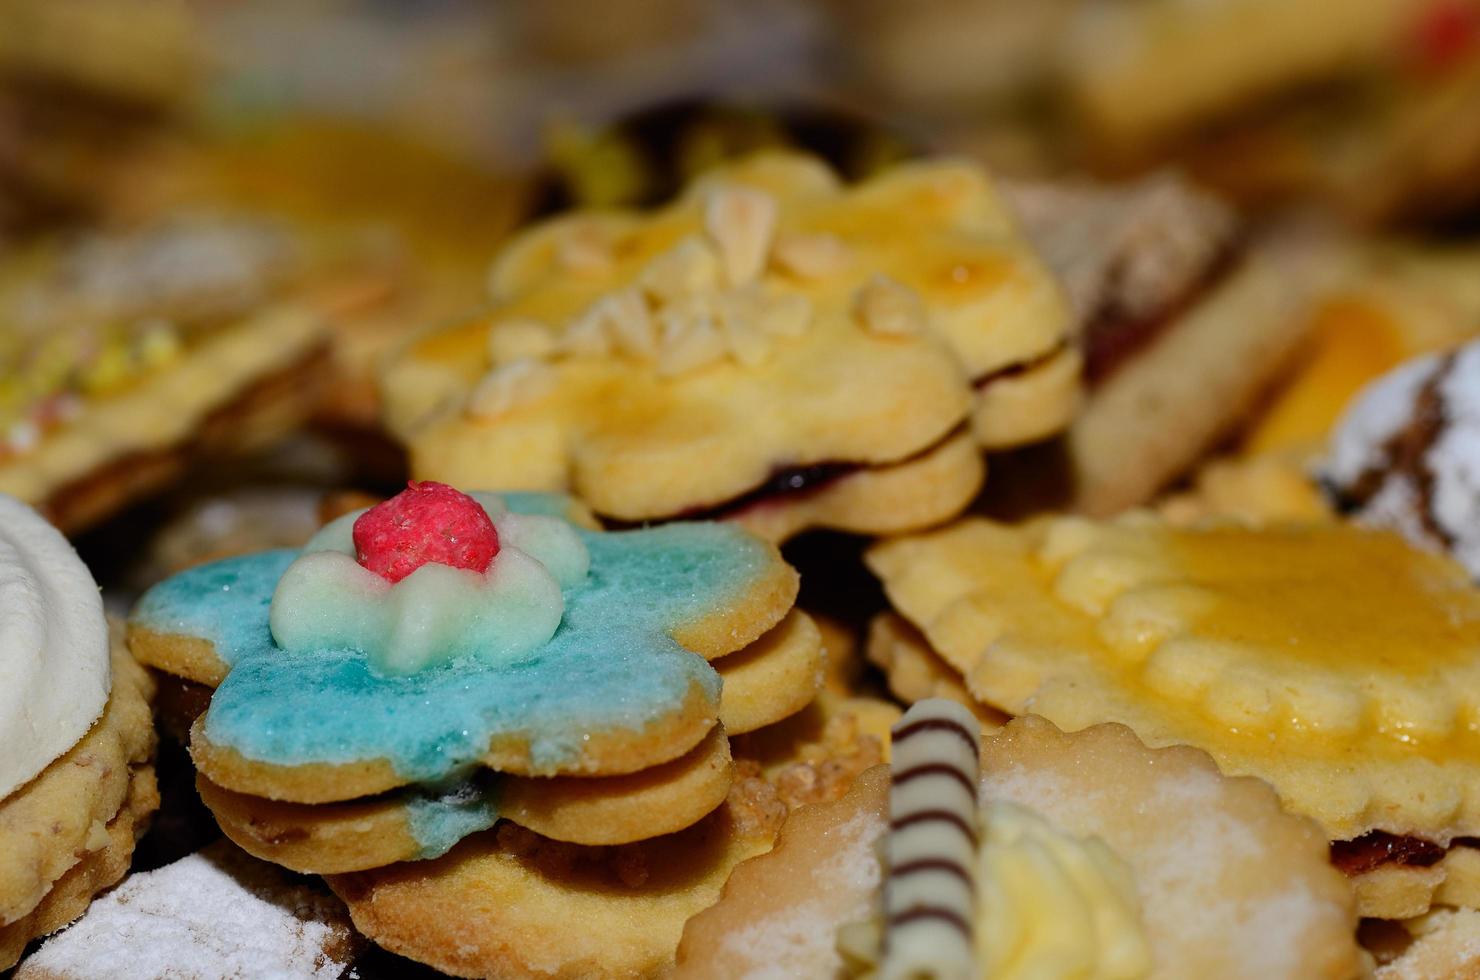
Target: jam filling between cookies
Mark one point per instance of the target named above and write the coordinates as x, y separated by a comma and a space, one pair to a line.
1379, 848
1019, 368
783, 483
1112, 339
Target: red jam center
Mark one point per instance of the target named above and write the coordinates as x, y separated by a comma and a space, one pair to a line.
426, 522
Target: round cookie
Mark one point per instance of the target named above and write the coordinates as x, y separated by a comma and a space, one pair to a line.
1326, 659
1212, 915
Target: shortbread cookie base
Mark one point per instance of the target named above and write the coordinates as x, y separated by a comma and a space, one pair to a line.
1017, 610
1397, 891
914, 672
1446, 946
1028, 405
493, 907
615, 752
636, 896
1390, 891
889, 499
240, 389
333, 838
102, 866
60, 815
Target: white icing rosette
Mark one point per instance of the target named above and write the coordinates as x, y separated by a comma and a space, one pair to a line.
326, 600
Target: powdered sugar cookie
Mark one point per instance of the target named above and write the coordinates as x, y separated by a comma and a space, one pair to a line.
215, 913
1405, 454
1174, 869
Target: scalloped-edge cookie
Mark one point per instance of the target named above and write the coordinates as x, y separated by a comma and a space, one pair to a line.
1326, 659
788, 331
1228, 885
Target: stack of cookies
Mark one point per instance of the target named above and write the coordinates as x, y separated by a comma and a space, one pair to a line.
77, 776
563, 706
381, 699
837, 357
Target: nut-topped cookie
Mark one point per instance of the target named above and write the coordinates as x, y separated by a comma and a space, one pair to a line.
836, 356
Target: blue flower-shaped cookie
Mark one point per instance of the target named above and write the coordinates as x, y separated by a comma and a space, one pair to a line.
623, 683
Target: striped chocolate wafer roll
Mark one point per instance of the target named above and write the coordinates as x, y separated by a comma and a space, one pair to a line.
929, 895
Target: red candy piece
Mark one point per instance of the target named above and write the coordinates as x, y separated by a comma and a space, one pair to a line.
1446, 32
426, 522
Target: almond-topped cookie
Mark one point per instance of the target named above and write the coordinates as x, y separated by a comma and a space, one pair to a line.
1331, 661
836, 356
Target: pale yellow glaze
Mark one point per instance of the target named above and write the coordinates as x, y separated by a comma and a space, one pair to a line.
625, 435
1338, 664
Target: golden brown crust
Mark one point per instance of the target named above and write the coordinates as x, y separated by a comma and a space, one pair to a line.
737, 624
883, 499
622, 809
260, 412
772, 678
505, 904
334, 838
50, 821
913, 671
70, 895
189, 657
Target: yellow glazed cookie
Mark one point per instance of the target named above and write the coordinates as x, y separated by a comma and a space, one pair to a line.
1212, 878
821, 349
1328, 660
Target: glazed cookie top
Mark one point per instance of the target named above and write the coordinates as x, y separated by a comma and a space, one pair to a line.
769, 318
1336, 663
434, 639
54, 671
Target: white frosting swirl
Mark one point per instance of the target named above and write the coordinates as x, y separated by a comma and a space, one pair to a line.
54, 670
326, 600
